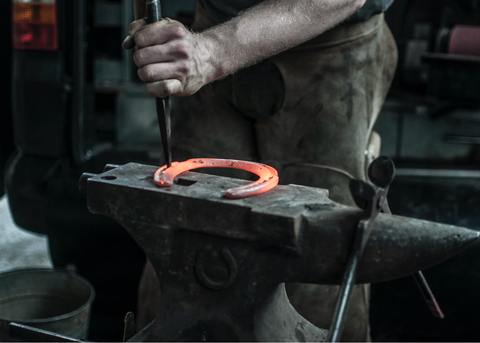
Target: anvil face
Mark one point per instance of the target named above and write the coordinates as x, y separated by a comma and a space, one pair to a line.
219, 260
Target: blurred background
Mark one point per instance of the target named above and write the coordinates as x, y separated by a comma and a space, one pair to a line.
78, 104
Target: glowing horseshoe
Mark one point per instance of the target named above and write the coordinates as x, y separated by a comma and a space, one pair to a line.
164, 176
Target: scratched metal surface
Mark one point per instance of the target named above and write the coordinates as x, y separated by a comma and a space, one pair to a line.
218, 260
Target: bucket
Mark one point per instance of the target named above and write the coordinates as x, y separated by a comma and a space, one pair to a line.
47, 299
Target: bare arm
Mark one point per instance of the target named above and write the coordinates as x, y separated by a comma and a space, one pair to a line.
174, 61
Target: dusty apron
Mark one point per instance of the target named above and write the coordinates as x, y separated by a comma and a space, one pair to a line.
309, 113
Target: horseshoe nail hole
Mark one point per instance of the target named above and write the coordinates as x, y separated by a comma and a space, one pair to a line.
109, 178
185, 182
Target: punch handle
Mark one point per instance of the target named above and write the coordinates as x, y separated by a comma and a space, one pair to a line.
154, 11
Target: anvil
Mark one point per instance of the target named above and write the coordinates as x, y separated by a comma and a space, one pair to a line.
222, 263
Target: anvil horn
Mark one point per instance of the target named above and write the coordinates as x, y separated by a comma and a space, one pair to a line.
397, 247
409, 245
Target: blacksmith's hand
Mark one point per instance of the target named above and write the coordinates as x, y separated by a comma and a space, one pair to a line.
171, 59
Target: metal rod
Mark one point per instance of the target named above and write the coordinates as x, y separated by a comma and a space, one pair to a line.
374, 199
154, 14
345, 292
28, 333
428, 295
164, 122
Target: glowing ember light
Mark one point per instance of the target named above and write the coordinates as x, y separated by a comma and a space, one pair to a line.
268, 176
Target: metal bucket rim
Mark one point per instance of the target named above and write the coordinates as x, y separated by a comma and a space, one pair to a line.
56, 318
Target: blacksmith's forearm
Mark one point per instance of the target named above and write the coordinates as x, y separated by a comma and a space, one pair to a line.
269, 28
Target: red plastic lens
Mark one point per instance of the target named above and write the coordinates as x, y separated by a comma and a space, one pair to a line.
35, 26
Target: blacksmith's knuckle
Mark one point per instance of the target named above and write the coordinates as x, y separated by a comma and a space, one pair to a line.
177, 30
145, 74
140, 74
149, 73
137, 24
138, 58
182, 48
141, 39
156, 26
167, 89
151, 89
183, 67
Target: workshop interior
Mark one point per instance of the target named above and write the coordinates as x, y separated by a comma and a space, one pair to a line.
83, 154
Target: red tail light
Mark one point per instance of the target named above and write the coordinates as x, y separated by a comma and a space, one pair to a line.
35, 24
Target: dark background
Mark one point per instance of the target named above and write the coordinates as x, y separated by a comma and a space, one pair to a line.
398, 312
6, 134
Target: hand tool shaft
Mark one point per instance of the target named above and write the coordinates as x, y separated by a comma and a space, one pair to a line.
364, 229
345, 291
154, 14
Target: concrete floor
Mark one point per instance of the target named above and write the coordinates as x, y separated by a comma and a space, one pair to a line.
20, 248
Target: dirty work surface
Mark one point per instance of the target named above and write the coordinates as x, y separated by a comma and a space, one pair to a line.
20, 248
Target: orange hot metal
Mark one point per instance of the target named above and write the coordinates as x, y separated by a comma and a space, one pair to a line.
164, 176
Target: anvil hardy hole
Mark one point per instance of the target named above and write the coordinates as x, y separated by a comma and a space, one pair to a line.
109, 178
184, 182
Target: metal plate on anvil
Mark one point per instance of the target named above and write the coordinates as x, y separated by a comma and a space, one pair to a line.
196, 201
